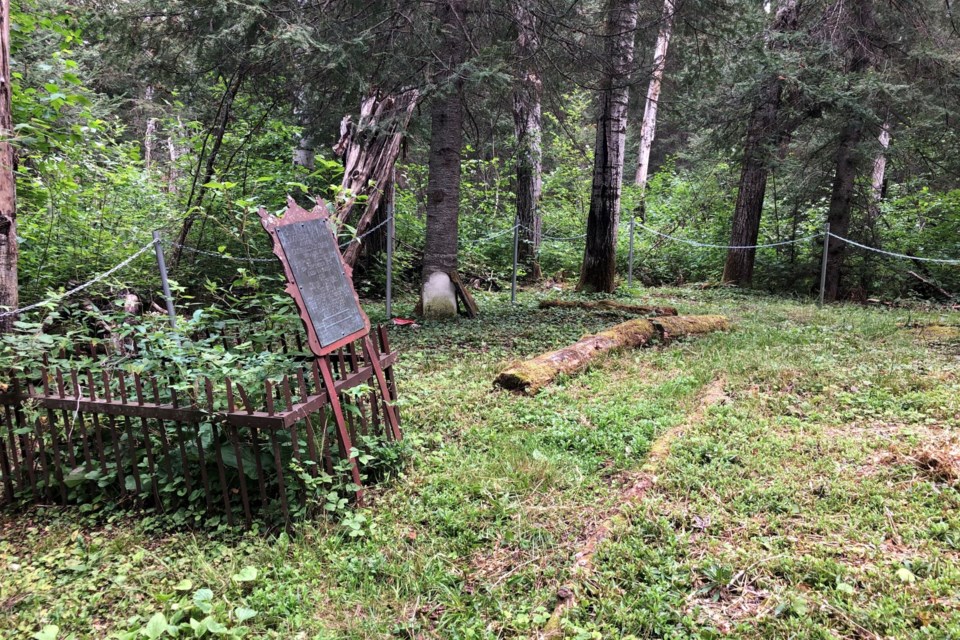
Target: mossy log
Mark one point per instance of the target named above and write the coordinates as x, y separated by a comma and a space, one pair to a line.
532, 375
680, 326
609, 305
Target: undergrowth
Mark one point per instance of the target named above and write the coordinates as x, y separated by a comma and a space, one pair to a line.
810, 505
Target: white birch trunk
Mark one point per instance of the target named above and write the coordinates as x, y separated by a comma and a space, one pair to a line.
880, 164
9, 290
648, 129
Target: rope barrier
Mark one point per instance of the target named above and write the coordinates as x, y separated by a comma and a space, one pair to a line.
78, 289
706, 245
495, 235
216, 254
368, 232
891, 253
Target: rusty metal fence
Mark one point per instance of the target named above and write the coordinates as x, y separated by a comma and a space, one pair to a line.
72, 435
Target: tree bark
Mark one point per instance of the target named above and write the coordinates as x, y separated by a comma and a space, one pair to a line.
648, 129
369, 150
527, 125
878, 176
443, 183
763, 134
841, 197
9, 289
532, 375
856, 23
599, 257
305, 154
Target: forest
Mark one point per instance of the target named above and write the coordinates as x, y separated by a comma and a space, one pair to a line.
660, 319
720, 123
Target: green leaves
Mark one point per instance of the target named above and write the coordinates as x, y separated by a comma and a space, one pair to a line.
49, 632
247, 574
242, 614
156, 627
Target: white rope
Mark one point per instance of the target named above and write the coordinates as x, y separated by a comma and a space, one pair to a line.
694, 243
242, 259
891, 253
549, 238
216, 254
495, 235
78, 289
361, 237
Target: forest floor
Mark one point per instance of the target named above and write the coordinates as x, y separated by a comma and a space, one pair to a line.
807, 488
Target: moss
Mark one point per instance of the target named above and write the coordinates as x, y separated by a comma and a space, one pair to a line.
532, 375
439, 308
673, 327
939, 333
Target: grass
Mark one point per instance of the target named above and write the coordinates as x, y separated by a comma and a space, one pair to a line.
818, 502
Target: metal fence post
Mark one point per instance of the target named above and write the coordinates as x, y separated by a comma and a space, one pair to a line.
162, 266
516, 248
391, 235
823, 262
633, 217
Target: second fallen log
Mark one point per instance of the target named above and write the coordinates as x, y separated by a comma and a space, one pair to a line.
532, 375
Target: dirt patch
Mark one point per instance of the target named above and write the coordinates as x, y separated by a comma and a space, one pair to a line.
938, 333
939, 462
936, 456
723, 613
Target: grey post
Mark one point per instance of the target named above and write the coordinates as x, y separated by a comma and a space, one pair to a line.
633, 216
162, 266
391, 236
823, 261
516, 247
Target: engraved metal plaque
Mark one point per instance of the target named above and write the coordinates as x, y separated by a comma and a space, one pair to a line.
318, 279
318, 272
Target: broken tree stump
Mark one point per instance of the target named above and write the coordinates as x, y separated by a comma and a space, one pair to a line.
532, 375
609, 305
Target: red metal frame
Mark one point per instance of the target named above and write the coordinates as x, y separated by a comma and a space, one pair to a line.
296, 214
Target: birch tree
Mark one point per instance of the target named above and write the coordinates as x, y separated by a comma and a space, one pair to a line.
9, 291
599, 257
648, 129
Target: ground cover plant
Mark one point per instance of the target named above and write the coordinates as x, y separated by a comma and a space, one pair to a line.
818, 499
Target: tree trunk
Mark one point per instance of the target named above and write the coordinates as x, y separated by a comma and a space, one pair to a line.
841, 198
196, 195
763, 135
305, 155
532, 375
856, 23
648, 130
527, 124
9, 290
443, 184
599, 257
369, 150
878, 176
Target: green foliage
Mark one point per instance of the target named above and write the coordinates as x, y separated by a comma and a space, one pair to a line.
785, 500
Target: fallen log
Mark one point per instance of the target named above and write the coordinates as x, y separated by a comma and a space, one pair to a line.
609, 305
671, 327
532, 375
